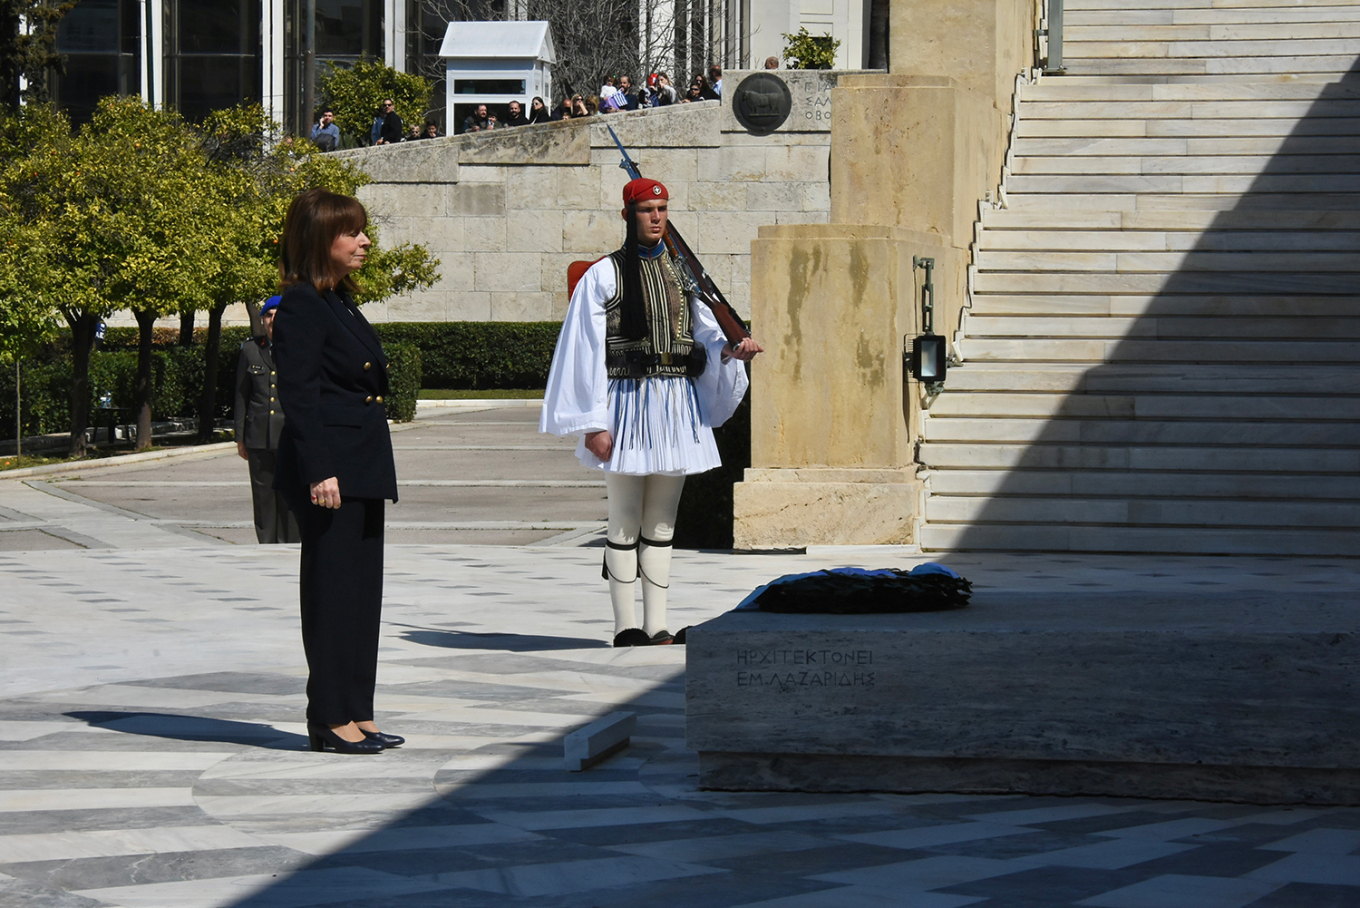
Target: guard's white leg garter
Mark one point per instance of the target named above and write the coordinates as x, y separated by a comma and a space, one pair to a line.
661, 500
621, 546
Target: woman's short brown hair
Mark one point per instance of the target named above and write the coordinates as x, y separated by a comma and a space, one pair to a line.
314, 220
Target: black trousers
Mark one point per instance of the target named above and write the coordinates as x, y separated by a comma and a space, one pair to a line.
341, 590
274, 520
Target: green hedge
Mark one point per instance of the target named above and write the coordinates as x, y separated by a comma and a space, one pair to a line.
479, 354
176, 376
404, 380
423, 354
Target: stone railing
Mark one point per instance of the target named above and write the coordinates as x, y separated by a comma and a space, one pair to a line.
507, 211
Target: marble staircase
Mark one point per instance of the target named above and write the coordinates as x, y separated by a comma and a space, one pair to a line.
1162, 353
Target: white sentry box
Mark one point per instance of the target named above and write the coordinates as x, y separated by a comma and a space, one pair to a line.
494, 63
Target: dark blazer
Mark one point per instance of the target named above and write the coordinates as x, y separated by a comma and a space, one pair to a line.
392, 133
258, 415
332, 381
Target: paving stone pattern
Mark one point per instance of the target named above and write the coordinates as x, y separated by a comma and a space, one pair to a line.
154, 751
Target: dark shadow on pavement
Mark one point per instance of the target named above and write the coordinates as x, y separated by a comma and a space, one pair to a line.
514, 643
193, 728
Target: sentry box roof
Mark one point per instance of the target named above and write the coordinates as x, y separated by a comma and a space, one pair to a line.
498, 40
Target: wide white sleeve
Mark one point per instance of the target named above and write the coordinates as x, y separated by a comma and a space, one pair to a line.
576, 399
722, 384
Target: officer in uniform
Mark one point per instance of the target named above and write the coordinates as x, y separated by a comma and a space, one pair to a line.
259, 423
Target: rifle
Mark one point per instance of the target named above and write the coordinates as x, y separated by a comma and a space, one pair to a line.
728, 319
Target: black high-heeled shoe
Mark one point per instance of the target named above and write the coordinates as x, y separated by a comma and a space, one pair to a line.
384, 739
321, 736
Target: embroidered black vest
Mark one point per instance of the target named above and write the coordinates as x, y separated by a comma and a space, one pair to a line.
668, 347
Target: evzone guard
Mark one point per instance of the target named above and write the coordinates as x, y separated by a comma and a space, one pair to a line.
643, 372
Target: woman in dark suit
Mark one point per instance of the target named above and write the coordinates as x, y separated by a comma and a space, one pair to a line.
335, 464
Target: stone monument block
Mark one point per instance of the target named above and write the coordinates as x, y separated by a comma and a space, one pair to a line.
1241, 697
831, 413
892, 131
782, 508
982, 43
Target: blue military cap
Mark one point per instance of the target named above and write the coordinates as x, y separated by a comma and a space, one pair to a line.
270, 303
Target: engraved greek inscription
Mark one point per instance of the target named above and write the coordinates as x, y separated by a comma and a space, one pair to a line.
750, 657
822, 668
817, 108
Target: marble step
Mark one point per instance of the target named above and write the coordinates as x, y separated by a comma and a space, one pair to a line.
1147, 512
1328, 76
1219, 16
1336, 204
1089, 184
1163, 305
1301, 379
1304, 263
1267, 34
1076, 88
1331, 67
1055, 325
1096, 483
1150, 458
1165, 219
1214, 239
955, 403
1204, 128
1189, 282
1139, 147
1098, 351
1214, 165
1191, 109
1087, 5
1113, 431
1241, 50
1343, 542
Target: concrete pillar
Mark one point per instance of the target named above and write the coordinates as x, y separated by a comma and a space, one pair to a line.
272, 59
831, 449
834, 425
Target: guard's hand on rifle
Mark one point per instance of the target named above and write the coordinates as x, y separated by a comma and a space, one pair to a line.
744, 351
601, 444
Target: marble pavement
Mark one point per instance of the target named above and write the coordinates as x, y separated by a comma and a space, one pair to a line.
152, 749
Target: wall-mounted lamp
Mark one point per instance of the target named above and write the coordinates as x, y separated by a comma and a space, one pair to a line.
928, 356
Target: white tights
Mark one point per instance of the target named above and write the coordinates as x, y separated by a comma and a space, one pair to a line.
641, 525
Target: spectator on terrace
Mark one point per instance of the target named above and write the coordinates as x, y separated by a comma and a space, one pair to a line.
479, 120
325, 134
665, 91
715, 79
375, 131
392, 130
771, 62
579, 108
607, 90
628, 92
538, 111
517, 117
562, 111
706, 92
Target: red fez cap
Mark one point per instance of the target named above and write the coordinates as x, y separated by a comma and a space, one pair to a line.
642, 189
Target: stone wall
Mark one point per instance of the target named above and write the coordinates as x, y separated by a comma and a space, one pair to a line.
507, 212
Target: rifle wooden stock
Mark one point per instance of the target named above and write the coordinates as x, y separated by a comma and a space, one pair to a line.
728, 319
